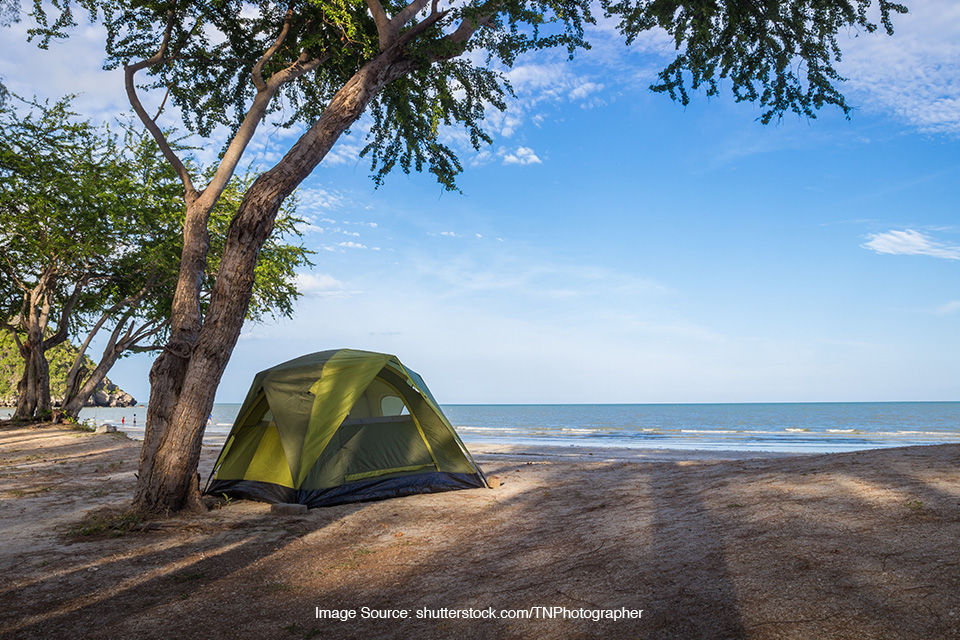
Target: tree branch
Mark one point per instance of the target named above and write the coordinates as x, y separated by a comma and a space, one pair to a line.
147, 348
63, 325
463, 34
257, 72
407, 14
13, 272
129, 72
385, 31
251, 121
422, 26
145, 331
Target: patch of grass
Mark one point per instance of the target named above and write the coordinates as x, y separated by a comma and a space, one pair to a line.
916, 505
735, 505
20, 493
278, 587
363, 552
79, 425
111, 523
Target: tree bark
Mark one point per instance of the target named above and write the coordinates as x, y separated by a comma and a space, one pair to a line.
33, 390
184, 378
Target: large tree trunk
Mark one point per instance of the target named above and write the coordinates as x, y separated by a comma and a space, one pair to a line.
33, 390
27, 389
184, 378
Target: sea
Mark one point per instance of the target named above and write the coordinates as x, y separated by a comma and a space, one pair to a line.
773, 427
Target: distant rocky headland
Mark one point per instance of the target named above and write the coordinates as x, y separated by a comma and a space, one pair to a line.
61, 359
106, 395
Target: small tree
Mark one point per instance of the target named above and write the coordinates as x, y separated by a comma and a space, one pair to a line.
62, 217
233, 63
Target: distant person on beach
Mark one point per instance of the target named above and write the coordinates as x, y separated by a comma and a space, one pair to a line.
122, 421
134, 419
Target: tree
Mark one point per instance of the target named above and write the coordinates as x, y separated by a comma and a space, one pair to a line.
63, 211
327, 61
91, 231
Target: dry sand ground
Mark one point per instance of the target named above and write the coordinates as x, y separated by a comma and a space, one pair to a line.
861, 545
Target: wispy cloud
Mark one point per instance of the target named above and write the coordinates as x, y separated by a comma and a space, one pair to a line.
910, 243
318, 198
912, 74
537, 85
947, 309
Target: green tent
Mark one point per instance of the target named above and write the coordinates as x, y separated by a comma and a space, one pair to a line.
341, 426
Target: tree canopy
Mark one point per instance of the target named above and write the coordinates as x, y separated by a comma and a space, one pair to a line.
780, 54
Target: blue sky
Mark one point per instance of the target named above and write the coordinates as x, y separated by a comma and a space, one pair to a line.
613, 246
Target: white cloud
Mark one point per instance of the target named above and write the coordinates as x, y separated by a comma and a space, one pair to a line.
522, 156
910, 243
321, 285
913, 73
584, 90
351, 245
481, 158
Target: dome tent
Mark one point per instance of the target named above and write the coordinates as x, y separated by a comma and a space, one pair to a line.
341, 426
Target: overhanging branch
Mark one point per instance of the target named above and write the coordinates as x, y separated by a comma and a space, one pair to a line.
129, 72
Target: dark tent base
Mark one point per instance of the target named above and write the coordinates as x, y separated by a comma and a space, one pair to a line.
376, 489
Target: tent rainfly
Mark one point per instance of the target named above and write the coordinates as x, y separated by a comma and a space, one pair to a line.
341, 426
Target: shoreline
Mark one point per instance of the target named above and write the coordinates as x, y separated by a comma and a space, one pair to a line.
586, 453
756, 429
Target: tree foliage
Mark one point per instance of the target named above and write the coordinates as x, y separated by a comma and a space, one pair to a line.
91, 233
214, 49
780, 54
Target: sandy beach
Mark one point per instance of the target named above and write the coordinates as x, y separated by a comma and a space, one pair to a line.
854, 545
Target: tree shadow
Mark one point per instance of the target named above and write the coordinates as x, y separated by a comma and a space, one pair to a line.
840, 546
